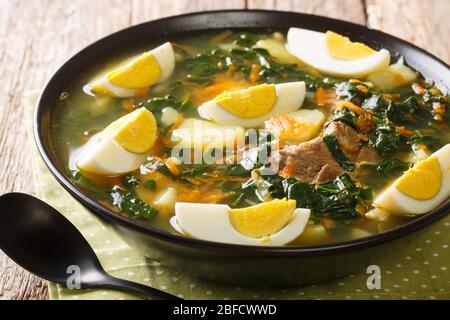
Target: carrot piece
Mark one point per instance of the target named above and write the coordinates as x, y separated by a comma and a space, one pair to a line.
173, 168
128, 105
418, 89
321, 97
351, 106
254, 73
362, 88
289, 170
404, 131
141, 91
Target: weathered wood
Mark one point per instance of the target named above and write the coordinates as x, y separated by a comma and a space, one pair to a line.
349, 10
37, 36
424, 23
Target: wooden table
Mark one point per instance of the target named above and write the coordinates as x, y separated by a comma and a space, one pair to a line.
37, 36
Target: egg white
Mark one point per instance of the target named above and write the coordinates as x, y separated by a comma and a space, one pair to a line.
211, 222
310, 47
107, 157
289, 97
165, 58
401, 204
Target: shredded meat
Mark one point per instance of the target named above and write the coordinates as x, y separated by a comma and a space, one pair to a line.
306, 159
367, 156
327, 173
311, 161
347, 137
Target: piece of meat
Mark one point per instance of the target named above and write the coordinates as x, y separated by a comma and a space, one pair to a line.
305, 161
311, 161
328, 173
347, 137
367, 155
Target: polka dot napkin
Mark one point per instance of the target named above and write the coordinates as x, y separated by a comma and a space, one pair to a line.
420, 271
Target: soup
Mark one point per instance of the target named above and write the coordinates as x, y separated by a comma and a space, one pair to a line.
267, 138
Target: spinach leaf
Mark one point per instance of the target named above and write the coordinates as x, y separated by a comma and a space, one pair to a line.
131, 180
81, 180
201, 67
128, 201
247, 39
338, 199
391, 167
432, 143
156, 165
386, 140
350, 90
194, 170
408, 113
150, 185
233, 170
333, 145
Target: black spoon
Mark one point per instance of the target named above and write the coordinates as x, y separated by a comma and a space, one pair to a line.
44, 242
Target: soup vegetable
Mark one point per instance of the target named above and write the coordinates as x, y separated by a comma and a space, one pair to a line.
258, 139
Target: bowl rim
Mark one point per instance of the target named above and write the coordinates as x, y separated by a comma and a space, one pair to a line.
241, 250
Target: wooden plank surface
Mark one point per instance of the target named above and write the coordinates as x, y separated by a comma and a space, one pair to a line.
37, 36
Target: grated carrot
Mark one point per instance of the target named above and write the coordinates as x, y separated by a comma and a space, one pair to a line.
288, 170
254, 73
362, 88
141, 92
321, 97
351, 106
173, 168
404, 131
128, 105
418, 88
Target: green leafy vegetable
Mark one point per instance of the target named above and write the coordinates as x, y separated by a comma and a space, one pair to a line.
333, 145
391, 167
338, 199
150, 185
386, 140
81, 180
156, 165
432, 143
128, 201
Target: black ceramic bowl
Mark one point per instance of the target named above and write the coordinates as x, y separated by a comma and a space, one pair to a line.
224, 262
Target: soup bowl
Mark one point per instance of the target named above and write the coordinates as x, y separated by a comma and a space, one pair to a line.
245, 265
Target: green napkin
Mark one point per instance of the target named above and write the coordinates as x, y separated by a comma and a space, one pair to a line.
420, 270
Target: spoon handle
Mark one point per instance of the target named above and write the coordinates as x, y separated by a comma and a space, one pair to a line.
110, 282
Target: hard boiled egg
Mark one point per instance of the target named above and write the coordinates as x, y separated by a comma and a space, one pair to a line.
420, 189
334, 54
297, 126
134, 78
252, 106
122, 146
199, 133
271, 223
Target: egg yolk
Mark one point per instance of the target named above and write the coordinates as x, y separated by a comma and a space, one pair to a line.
249, 103
423, 181
139, 73
135, 132
289, 128
262, 219
342, 48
